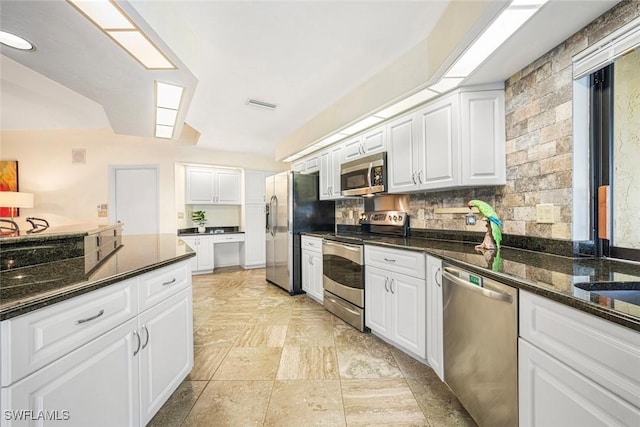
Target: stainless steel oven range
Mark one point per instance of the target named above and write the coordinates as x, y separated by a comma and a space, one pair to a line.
343, 264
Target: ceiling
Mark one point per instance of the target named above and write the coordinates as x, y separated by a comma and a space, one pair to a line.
303, 56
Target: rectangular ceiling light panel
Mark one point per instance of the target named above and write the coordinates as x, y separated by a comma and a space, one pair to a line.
407, 103
164, 131
168, 95
112, 20
362, 124
141, 48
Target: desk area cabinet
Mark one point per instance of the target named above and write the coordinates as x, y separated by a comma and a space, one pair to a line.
212, 186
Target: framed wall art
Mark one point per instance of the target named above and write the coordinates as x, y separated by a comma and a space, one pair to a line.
8, 182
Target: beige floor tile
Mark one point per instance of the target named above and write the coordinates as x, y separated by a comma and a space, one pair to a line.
355, 362
179, 404
310, 334
305, 403
381, 402
439, 405
262, 336
216, 335
249, 363
231, 403
347, 336
308, 363
410, 367
206, 361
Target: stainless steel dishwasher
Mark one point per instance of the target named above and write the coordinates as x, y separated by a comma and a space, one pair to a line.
481, 345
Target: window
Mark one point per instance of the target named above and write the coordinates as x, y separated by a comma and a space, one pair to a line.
615, 139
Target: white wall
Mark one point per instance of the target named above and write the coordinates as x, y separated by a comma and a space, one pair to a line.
67, 193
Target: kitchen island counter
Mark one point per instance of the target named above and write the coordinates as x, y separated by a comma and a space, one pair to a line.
32, 287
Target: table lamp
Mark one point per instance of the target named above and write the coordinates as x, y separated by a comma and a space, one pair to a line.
14, 200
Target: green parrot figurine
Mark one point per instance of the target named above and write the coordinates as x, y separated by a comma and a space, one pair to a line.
493, 224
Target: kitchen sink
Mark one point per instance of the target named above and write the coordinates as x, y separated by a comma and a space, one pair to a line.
622, 291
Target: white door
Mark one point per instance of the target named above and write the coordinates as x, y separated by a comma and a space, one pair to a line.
134, 195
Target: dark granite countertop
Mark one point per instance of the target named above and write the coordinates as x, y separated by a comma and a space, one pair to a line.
551, 276
53, 233
209, 230
32, 287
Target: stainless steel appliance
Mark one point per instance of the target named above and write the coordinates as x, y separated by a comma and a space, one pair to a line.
366, 175
293, 207
480, 345
343, 263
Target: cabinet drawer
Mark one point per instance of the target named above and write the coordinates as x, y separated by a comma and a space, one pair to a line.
36, 339
313, 244
156, 286
228, 238
606, 353
406, 262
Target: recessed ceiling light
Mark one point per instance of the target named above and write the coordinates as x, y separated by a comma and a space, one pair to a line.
15, 42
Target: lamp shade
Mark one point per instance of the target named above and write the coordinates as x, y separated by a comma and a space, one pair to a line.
15, 199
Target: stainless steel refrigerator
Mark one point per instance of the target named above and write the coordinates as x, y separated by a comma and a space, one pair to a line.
293, 206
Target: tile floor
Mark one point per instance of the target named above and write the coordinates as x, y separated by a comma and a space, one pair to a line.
265, 358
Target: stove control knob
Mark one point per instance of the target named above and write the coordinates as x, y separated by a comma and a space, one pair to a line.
395, 217
399, 217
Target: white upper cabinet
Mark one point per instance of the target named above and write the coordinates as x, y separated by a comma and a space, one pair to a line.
307, 165
210, 186
370, 142
483, 138
438, 126
254, 187
330, 173
455, 141
403, 153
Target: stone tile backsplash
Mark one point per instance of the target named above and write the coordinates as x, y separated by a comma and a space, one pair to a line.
539, 146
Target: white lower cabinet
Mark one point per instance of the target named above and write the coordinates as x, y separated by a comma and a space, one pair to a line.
120, 376
311, 267
435, 356
395, 308
96, 385
554, 394
253, 253
203, 247
166, 351
575, 369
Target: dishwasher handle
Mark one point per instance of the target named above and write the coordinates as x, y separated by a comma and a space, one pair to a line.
448, 273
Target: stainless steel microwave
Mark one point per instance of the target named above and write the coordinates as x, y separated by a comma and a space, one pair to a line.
366, 175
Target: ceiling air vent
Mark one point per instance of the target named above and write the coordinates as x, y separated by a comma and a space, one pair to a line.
261, 104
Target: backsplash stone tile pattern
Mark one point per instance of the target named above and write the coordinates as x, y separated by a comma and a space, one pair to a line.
539, 145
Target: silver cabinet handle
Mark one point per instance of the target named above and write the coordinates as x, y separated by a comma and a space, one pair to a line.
169, 282
311, 260
386, 284
447, 273
147, 333
413, 177
390, 260
435, 277
89, 319
391, 286
139, 342
420, 176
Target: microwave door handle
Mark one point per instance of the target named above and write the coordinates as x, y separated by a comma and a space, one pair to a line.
369, 173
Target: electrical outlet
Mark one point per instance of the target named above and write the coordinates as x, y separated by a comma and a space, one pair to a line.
544, 213
102, 210
180, 215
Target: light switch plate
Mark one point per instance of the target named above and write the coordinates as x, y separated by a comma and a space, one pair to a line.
544, 213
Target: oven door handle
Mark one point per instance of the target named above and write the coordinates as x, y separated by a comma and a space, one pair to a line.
369, 174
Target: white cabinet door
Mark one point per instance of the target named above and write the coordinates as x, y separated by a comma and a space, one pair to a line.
203, 246
552, 394
408, 310
374, 141
254, 236
298, 166
483, 138
316, 272
434, 316
352, 149
166, 353
227, 186
96, 385
306, 270
200, 190
403, 153
376, 294
326, 175
439, 132
312, 164
254, 187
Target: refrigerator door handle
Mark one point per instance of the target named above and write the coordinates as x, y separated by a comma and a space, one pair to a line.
274, 217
